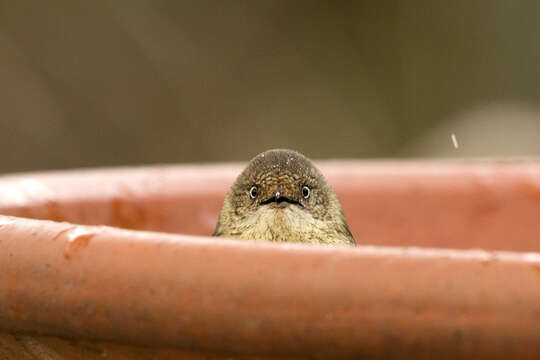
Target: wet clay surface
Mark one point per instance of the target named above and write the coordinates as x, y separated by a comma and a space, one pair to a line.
160, 295
452, 204
243, 298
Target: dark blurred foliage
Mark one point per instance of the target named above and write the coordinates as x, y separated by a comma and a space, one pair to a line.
95, 83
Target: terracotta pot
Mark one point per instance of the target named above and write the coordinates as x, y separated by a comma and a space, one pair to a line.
195, 295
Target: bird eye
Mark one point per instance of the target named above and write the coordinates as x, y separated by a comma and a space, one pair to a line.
305, 192
253, 192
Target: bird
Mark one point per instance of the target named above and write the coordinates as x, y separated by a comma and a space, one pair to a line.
281, 196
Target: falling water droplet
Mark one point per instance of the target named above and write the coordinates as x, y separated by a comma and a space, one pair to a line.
454, 141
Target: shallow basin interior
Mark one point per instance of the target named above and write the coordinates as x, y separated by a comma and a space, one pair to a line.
463, 205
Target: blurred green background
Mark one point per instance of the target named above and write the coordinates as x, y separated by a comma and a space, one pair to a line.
104, 83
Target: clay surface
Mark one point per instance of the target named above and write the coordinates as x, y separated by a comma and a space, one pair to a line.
445, 268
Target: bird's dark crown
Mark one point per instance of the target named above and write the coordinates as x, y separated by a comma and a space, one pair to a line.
279, 176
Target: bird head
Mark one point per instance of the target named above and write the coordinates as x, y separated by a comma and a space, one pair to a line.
281, 196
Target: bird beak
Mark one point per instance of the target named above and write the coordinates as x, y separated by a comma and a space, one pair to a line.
279, 196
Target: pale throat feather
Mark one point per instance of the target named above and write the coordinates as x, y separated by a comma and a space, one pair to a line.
290, 224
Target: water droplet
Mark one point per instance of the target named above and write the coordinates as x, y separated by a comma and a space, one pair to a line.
454, 141
77, 239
